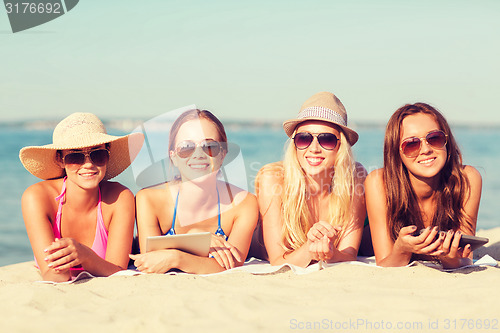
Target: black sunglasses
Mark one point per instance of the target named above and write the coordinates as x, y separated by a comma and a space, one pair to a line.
303, 140
411, 146
98, 157
186, 148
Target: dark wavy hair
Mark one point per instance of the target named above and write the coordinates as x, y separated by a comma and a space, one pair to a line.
453, 189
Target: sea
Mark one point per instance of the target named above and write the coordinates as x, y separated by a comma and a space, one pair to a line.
260, 143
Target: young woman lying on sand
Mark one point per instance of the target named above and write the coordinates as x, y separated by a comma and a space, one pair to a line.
76, 219
423, 184
196, 202
312, 204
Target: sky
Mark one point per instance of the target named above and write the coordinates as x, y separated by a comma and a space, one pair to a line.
255, 60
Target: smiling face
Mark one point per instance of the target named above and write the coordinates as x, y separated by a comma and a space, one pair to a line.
199, 163
430, 160
315, 160
87, 175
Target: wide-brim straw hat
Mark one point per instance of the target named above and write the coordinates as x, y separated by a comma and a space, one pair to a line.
79, 131
323, 106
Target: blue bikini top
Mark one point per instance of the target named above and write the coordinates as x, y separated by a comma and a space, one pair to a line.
219, 231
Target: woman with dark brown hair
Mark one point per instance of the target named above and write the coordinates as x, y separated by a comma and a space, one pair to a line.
422, 186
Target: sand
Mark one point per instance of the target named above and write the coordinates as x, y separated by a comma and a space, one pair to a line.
345, 297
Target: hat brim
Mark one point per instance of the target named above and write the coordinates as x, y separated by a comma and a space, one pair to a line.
41, 161
290, 125
161, 171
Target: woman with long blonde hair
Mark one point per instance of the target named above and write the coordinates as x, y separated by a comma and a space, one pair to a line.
312, 204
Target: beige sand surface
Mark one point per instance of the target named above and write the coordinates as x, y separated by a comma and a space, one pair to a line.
345, 298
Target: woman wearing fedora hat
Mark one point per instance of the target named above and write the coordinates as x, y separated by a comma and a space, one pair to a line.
76, 219
197, 201
312, 204
422, 185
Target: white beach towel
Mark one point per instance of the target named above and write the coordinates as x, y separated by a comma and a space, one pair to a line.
261, 267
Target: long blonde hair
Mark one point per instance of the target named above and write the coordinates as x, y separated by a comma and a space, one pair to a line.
296, 215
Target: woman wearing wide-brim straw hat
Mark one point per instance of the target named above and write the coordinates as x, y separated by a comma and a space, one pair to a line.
312, 204
76, 219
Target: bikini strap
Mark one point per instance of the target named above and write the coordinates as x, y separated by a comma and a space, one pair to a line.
99, 208
219, 231
63, 190
172, 229
57, 226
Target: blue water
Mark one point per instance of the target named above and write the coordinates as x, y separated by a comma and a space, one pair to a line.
259, 145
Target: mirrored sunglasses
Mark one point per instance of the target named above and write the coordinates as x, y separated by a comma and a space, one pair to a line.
186, 148
411, 146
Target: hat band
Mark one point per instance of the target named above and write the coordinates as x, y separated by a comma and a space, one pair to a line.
325, 113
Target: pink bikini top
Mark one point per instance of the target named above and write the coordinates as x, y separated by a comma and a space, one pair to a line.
101, 235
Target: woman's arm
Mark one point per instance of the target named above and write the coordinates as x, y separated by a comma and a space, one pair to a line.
387, 252
269, 188
233, 252
471, 207
120, 230
376, 206
454, 257
245, 220
148, 223
323, 235
38, 210
162, 261
349, 244
118, 207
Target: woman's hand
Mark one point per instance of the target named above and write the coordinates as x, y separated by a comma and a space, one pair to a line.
66, 253
223, 252
160, 261
426, 243
321, 229
321, 238
453, 255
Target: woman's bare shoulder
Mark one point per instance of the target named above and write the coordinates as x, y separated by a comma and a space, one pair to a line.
272, 167
375, 178
47, 188
157, 193
270, 174
360, 172
41, 196
114, 192
472, 174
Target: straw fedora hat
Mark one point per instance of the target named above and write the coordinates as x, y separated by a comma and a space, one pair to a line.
78, 131
323, 106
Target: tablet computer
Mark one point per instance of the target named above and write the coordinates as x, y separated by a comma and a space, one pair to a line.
196, 243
